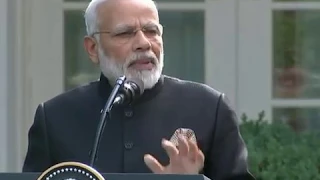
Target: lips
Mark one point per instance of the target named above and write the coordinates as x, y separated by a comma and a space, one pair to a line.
142, 64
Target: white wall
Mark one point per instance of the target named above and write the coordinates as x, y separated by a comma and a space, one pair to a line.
3, 82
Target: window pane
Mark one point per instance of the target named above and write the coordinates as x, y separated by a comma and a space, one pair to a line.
300, 119
296, 67
78, 68
183, 44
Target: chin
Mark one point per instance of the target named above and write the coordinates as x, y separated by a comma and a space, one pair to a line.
148, 77
138, 73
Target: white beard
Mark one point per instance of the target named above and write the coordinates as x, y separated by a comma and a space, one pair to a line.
113, 70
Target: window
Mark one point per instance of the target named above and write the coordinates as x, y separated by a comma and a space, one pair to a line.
296, 67
279, 69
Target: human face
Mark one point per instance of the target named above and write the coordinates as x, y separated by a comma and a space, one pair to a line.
130, 40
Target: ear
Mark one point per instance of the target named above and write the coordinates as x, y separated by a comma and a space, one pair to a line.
91, 46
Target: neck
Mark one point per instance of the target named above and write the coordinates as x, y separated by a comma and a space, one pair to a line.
106, 86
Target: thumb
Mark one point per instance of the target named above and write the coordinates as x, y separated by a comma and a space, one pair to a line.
153, 164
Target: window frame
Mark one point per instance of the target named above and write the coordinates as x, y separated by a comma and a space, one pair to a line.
255, 48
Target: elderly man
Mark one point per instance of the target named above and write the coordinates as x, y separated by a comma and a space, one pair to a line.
125, 38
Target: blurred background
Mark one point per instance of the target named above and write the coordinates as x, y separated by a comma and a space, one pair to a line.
262, 54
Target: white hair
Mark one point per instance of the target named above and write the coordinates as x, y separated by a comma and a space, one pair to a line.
91, 16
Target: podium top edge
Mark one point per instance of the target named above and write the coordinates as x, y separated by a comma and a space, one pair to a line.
111, 174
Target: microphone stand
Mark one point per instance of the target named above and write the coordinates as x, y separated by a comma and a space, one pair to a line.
103, 119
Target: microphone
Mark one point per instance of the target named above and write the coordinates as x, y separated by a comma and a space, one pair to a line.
105, 114
131, 90
124, 91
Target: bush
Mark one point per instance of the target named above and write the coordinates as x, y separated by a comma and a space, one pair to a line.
276, 152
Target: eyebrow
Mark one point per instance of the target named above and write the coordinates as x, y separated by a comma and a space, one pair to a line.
121, 27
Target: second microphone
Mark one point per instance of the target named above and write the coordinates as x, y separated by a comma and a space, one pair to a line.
131, 90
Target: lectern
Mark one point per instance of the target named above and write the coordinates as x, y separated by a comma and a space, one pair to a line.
79, 171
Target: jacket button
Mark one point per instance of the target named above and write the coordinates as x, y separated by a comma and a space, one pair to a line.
128, 113
128, 145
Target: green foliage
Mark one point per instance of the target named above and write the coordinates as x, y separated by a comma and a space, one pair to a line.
276, 152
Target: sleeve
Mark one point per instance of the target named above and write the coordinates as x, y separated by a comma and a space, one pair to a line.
227, 158
38, 154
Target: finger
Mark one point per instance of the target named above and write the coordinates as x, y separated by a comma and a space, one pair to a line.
200, 158
193, 150
153, 164
183, 146
171, 149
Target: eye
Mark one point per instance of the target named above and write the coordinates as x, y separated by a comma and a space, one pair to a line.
152, 32
124, 34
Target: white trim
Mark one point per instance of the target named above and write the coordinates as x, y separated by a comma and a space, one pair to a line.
47, 58
296, 103
23, 113
162, 6
4, 82
14, 123
15, 106
255, 57
296, 6
220, 50
38, 62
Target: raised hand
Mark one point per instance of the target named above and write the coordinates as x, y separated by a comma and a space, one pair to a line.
186, 158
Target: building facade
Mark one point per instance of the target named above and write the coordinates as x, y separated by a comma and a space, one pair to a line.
262, 54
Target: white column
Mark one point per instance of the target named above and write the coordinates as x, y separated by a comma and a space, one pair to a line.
31, 59
46, 53
255, 57
4, 85
221, 52
38, 63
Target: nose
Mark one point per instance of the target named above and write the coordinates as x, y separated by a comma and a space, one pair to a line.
141, 42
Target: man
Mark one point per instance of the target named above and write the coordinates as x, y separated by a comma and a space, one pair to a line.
125, 38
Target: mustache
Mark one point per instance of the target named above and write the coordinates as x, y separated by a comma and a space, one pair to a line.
139, 56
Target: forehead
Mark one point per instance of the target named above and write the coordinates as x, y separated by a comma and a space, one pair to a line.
129, 12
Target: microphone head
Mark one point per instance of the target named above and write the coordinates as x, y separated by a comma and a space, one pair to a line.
132, 89
137, 85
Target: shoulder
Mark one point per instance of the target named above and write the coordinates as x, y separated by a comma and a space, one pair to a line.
73, 96
203, 97
192, 89
199, 98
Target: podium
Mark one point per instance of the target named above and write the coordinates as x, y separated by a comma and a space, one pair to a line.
35, 176
79, 171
